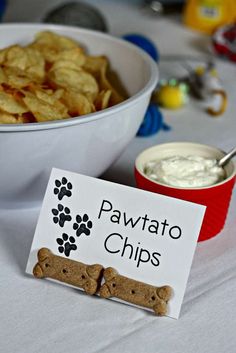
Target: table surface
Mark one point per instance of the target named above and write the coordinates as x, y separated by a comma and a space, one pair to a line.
41, 316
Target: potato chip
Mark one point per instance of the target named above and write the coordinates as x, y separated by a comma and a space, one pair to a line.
75, 54
3, 53
98, 65
16, 57
58, 64
17, 81
55, 40
58, 93
49, 54
35, 63
77, 103
48, 96
80, 81
52, 78
52, 45
3, 77
102, 100
10, 105
15, 78
26, 59
6, 118
105, 85
44, 111
93, 64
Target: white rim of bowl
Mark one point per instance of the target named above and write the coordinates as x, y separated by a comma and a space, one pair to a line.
146, 151
150, 85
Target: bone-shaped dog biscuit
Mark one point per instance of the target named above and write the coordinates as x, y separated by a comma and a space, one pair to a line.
68, 271
135, 292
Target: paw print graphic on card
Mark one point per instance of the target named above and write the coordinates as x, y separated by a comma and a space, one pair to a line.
61, 215
62, 188
83, 225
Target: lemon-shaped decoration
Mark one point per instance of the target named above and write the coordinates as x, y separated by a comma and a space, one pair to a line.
170, 97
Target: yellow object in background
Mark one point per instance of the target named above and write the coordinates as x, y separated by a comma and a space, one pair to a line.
170, 97
207, 15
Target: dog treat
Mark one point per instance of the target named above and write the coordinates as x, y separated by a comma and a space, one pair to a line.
68, 271
135, 292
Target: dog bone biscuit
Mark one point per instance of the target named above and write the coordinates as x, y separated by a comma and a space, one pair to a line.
68, 271
135, 292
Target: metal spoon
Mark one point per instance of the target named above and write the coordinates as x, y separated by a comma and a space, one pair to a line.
224, 160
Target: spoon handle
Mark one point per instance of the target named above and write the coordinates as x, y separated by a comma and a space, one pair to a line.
227, 157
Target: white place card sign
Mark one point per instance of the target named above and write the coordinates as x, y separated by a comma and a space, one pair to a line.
145, 236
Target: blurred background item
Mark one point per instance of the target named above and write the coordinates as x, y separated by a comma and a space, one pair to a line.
153, 120
171, 94
78, 14
3, 5
163, 6
208, 15
144, 43
205, 84
224, 42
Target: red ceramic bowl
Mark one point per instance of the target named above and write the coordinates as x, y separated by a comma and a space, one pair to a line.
216, 197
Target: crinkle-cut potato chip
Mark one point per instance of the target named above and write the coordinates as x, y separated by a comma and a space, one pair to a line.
17, 81
3, 55
6, 118
49, 53
58, 64
48, 96
102, 100
52, 45
80, 81
55, 40
35, 64
44, 111
98, 66
53, 78
105, 85
16, 57
58, 93
77, 103
26, 59
93, 64
11, 105
14, 78
3, 77
75, 54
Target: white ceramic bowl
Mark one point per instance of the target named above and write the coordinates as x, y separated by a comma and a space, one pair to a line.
88, 144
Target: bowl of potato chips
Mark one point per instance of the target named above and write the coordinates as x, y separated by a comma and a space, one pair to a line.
70, 98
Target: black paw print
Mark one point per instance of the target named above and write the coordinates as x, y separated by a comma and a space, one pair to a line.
66, 244
82, 225
63, 188
61, 215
